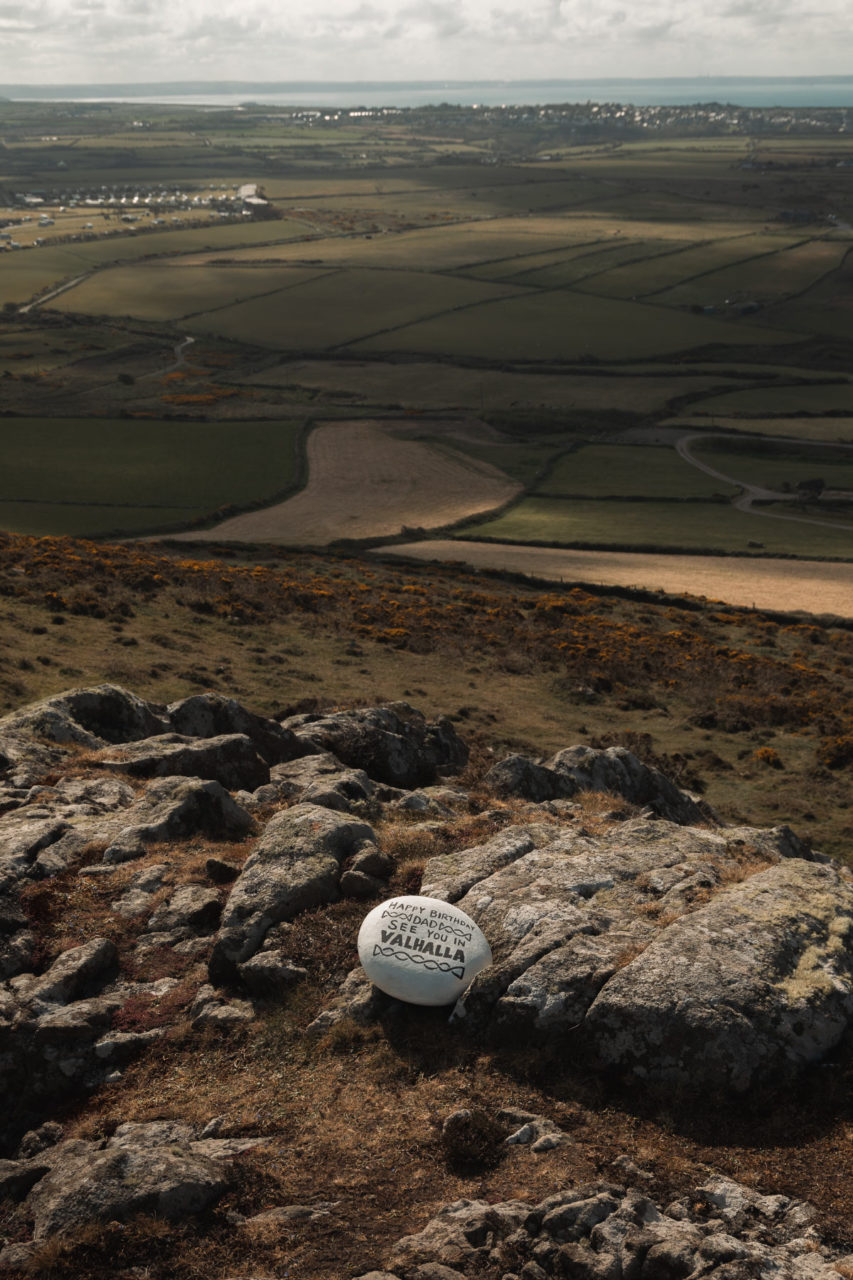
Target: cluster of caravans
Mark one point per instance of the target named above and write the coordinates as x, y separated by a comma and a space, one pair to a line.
131, 208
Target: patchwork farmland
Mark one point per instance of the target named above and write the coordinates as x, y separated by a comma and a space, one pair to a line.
556, 322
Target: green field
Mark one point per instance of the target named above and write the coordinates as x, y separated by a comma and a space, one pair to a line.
441, 269
523, 267
41, 519
563, 325
420, 384
829, 429
776, 275
595, 262
96, 475
770, 401
29, 271
162, 291
656, 275
623, 471
691, 526
773, 467
213, 235
825, 308
341, 307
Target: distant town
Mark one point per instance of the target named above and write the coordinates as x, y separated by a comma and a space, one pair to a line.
596, 118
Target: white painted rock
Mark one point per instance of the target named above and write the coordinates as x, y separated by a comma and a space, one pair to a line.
422, 950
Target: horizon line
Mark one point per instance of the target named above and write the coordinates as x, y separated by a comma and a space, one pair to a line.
427, 83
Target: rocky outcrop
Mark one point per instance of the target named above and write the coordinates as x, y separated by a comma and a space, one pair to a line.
743, 992
160, 1168
652, 944
41, 839
713, 961
86, 717
174, 808
316, 779
675, 954
614, 770
56, 1036
606, 1231
393, 744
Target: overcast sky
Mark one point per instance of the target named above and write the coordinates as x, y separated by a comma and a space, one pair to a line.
73, 41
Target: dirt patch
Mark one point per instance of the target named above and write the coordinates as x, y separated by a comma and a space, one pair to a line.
812, 585
365, 481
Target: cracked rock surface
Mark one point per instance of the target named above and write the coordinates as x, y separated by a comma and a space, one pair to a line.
603, 1231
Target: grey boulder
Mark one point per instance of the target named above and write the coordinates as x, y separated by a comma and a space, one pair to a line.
704, 959
741, 993
393, 744
144, 1168
210, 715
173, 808
230, 759
295, 865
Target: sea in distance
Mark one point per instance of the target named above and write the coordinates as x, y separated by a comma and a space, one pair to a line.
744, 91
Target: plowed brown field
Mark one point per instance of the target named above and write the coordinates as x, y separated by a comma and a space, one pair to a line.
366, 479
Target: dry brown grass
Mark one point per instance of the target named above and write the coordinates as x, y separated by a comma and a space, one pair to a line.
69, 909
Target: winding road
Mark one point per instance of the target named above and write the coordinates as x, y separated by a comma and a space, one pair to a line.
753, 493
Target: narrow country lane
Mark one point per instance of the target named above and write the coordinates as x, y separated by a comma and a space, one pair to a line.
752, 492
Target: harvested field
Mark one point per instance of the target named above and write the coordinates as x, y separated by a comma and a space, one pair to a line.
437, 248
371, 480
786, 585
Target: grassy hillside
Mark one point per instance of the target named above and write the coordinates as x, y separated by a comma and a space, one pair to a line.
752, 710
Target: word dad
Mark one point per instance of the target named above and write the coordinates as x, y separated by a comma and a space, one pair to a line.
421, 950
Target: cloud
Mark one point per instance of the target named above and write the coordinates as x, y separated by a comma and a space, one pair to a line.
419, 39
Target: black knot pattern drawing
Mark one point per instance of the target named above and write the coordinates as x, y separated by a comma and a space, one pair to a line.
428, 963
